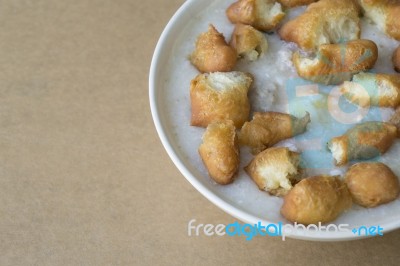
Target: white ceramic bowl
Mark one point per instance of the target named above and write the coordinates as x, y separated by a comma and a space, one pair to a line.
171, 116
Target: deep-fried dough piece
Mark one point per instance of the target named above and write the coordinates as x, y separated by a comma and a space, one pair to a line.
395, 120
248, 42
261, 14
364, 141
316, 199
385, 14
372, 184
326, 21
373, 89
220, 96
294, 3
396, 59
267, 129
220, 151
335, 63
275, 170
212, 53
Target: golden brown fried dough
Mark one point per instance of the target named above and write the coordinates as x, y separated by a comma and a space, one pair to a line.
294, 3
396, 59
364, 141
335, 63
220, 151
212, 53
275, 170
267, 129
385, 14
261, 14
316, 199
219, 96
326, 21
248, 42
373, 89
372, 184
395, 120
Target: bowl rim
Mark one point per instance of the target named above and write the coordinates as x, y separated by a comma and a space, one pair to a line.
211, 196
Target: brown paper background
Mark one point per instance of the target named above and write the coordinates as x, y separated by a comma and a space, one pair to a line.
84, 179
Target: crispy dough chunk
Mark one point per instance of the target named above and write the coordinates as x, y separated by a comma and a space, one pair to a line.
275, 170
396, 59
372, 184
263, 15
326, 21
364, 141
373, 89
267, 129
385, 14
220, 96
220, 151
316, 199
294, 3
335, 63
249, 43
212, 53
395, 120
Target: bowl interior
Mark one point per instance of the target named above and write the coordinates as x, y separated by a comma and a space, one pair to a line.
169, 80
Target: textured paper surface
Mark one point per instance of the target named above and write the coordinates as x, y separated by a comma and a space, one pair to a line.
84, 179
